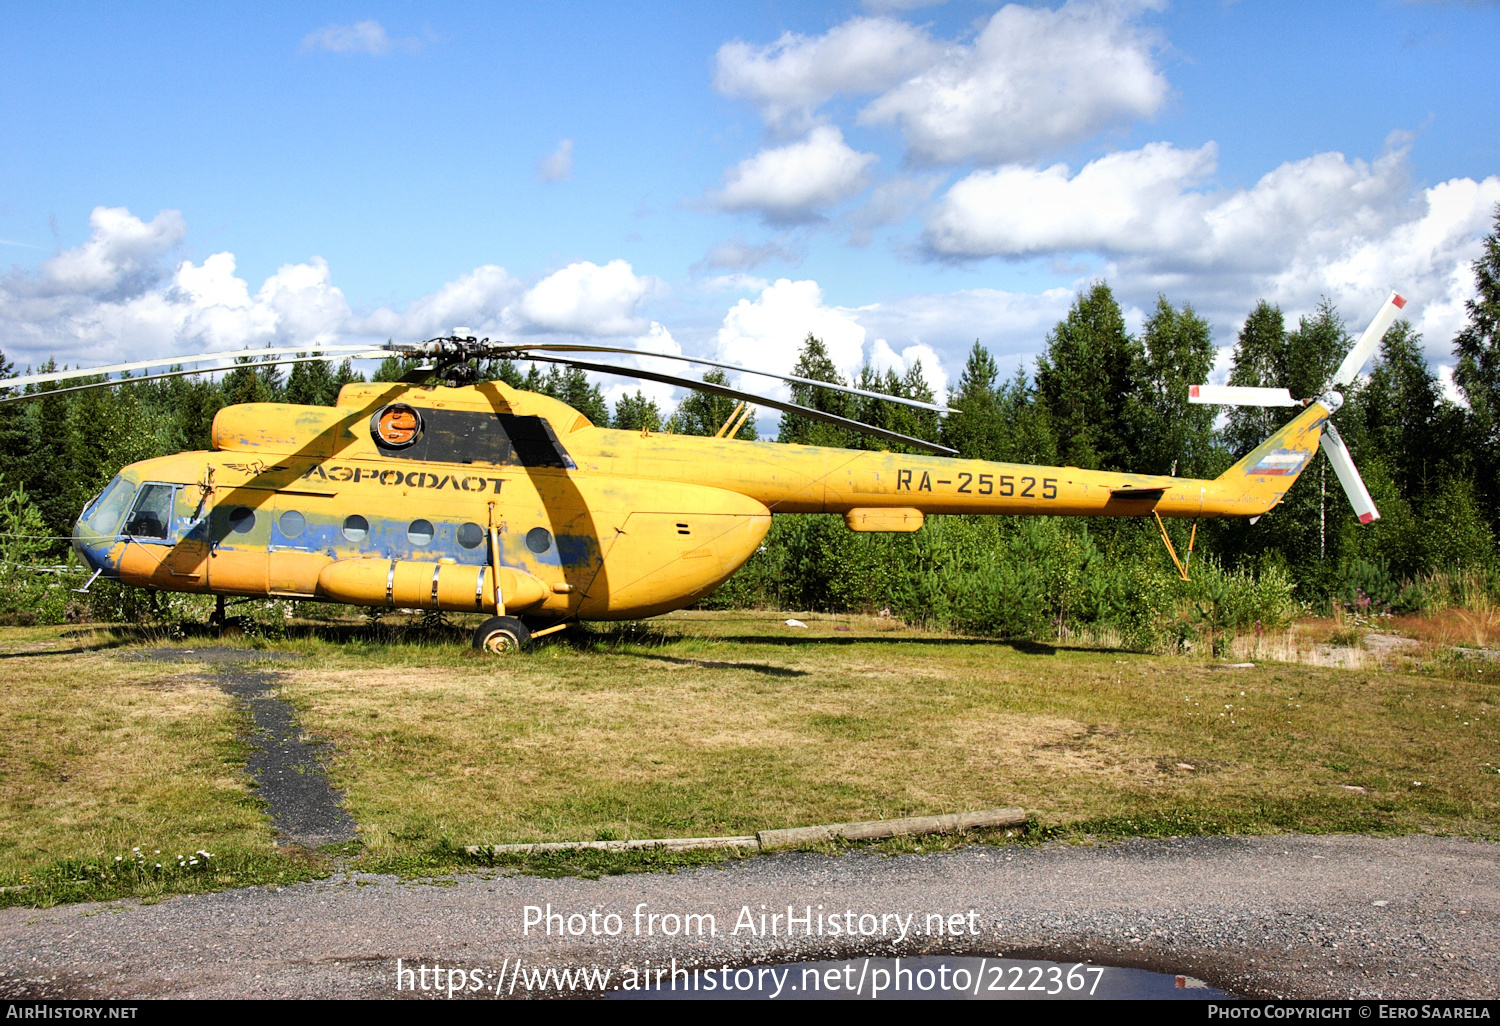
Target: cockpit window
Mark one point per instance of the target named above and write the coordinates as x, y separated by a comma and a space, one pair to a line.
472, 436
151, 516
105, 513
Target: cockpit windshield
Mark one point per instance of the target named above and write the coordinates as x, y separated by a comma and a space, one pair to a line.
104, 513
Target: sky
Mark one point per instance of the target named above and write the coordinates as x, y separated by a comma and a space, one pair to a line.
899, 177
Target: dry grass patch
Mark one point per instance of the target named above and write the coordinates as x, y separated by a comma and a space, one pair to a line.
100, 755
735, 722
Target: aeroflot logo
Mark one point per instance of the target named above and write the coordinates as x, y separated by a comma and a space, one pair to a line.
406, 479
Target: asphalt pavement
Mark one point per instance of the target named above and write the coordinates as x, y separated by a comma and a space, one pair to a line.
1281, 916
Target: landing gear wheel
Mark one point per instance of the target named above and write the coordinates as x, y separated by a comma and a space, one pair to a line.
502, 635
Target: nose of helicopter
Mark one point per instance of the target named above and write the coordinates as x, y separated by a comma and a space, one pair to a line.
96, 529
92, 547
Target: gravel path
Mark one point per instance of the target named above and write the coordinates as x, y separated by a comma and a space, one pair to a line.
1290, 916
289, 771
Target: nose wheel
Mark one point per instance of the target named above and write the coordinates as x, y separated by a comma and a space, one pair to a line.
502, 635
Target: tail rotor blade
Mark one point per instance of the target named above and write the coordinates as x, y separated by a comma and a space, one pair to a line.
1365, 347
1343, 468
1240, 395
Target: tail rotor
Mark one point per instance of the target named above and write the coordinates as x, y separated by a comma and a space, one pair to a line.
1332, 444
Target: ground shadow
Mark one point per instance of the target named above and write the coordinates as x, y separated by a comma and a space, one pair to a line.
714, 664
1019, 644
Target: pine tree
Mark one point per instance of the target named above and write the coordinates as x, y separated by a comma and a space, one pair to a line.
249, 382
1477, 371
703, 413
1176, 351
14, 441
345, 375
815, 364
976, 431
1027, 435
637, 413
1396, 416
311, 384
1086, 379
1259, 362
1314, 351
572, 387
47, 474
909, 420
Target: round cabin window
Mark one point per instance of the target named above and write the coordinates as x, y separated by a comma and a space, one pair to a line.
470, 536
538, 540
242, 520
292, 524
419, 532
356, 527
397, 426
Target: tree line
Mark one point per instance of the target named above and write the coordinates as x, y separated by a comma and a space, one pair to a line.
1099, 397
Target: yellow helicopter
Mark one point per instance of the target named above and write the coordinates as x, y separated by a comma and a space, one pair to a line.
471, 496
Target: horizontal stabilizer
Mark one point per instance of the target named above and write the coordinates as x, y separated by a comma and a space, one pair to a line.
1240, 395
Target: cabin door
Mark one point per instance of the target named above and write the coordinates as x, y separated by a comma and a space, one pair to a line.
187, 560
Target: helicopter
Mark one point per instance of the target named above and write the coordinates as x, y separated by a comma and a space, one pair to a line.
446, 492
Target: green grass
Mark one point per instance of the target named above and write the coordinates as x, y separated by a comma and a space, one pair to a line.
705, 724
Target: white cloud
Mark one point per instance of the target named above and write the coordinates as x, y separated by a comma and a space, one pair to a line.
480, 299
656, 339
767, 332
584, 298
790, 183
899, 5
115, 298
1011, 325
739, 255
557, 166
122, 251
1032, 81
736, 282
1130, 200
367, 37
791, 77
890, 202
1325, 225
883, 358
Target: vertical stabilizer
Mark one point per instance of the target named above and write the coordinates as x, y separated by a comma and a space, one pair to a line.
1272, 467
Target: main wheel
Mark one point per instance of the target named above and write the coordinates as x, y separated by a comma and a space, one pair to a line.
502, 635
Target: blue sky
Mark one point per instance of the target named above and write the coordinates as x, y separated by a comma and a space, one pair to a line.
648, 174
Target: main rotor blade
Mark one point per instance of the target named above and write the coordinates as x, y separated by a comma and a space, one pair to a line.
757, 400
1365, 347
1343, 467
564, 348
167, 361
1240, 395
114, 382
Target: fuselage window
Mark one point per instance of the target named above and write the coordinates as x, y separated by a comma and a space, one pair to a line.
419, 532
470, 536
356, 527
538, 540
242, 520
152, 513
474, 436
292, 524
